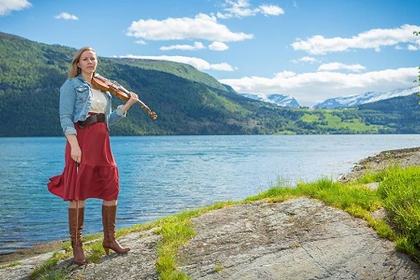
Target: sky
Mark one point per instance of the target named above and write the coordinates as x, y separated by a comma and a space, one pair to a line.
308, 49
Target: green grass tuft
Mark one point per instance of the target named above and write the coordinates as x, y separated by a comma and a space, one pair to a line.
400, 192
47, 268
12, 264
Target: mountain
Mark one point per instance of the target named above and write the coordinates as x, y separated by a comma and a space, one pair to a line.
277, 99
181, 70
284, 101
399, 114
368, 97
186, 100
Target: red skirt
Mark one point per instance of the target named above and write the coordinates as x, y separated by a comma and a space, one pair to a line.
97, 174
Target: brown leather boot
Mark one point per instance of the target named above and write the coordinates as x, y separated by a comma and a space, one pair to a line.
108, 221
76, 216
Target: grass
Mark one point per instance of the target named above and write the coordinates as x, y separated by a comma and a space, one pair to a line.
398, 193
354, 124
176, 231
12, 264
309, 118
47, 269
328, 119
218, 267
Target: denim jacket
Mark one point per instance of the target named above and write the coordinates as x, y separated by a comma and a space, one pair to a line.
75, 100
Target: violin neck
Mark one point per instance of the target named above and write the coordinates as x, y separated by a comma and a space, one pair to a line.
143, 106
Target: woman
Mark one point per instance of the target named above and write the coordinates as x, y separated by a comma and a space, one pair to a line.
90, 170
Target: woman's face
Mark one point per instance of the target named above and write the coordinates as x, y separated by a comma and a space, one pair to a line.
87, 62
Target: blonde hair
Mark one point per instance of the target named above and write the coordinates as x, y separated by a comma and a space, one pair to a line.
74, 69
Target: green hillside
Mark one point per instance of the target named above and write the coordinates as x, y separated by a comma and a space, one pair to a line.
186, 100
185, 71
398, 115
193, 103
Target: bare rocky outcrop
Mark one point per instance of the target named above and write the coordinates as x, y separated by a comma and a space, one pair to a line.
400, 157
139, 263
23, 268
297, 239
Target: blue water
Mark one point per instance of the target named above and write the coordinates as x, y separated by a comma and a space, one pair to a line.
164, 175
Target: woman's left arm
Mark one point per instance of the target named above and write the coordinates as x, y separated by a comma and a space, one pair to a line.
130, 102
121, 111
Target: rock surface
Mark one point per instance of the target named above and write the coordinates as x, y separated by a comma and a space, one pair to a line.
296, 239
24, 267
139, 263
400, 157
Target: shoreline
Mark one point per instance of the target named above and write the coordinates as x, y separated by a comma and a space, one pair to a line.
403, 157
32, 251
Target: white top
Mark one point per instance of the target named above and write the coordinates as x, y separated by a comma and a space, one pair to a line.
99, 101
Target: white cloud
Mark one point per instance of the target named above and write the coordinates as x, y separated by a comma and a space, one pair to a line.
270, 10
334, 66
6, 6
218, 46
413, 48
371, 39
202, 26
198, 63
238, 8
141, 42
308, 59
222, 67
196, 46
313, 87
242, 8
66, 16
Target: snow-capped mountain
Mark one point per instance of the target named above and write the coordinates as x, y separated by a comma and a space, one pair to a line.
368, 97
284, 101
278, 99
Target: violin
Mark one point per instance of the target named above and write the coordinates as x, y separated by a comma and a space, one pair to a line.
104, 84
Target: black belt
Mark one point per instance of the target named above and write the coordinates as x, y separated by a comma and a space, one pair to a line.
94, 118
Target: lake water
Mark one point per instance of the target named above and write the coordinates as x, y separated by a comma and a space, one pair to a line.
164, 175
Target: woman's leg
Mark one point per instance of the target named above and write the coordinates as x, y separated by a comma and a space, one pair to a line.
109, 202
76, 217
77, 204
109, 211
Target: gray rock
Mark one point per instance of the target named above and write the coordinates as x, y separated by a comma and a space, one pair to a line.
24, 267
139, 263
372, 186
380, 214
296, 239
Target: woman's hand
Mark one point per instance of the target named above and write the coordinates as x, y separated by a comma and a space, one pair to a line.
133, 98
76, 153
130, 102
